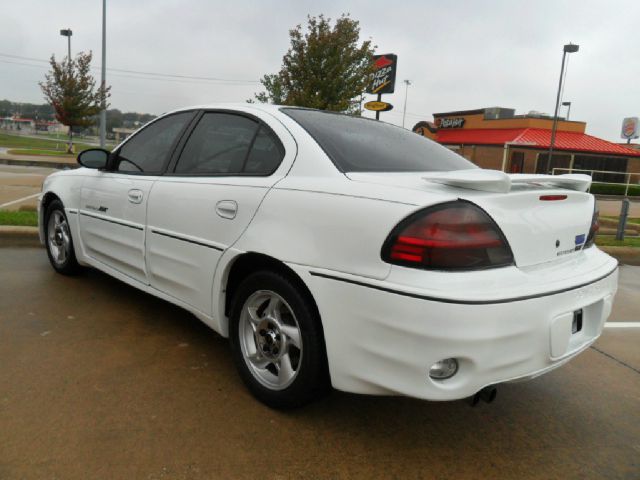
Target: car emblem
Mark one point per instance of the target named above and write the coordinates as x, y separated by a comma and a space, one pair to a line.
557, 243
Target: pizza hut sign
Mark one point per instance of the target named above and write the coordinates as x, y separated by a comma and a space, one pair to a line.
457, 122
384, 75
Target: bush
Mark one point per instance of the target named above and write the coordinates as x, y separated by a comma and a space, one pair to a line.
611, 189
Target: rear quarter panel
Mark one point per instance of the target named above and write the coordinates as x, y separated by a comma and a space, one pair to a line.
327, 230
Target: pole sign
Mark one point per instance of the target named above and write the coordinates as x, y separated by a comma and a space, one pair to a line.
378, 106
630, 128
384, 75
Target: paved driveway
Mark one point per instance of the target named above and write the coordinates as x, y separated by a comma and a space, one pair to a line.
100, 381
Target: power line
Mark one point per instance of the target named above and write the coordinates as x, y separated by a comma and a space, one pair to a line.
135, 77
20, 63
23, 58
189, 77
137, 72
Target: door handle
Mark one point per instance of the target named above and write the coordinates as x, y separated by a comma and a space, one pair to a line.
135, 196
227, 209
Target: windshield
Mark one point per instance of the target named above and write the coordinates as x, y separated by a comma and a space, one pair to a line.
357, 144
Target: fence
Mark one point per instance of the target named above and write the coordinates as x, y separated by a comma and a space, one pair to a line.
631, 179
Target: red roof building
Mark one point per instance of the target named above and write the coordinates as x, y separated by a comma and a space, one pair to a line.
497, 138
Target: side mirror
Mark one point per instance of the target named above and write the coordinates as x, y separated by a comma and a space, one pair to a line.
94, 158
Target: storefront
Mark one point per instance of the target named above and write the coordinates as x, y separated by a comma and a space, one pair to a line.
496, 138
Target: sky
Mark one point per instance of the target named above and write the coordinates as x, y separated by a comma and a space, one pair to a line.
458, 55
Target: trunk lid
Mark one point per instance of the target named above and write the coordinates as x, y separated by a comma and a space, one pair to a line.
537, 230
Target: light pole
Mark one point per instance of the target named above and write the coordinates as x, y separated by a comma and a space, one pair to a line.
569, 48
567, 104
67, 33
406, 93
103, 80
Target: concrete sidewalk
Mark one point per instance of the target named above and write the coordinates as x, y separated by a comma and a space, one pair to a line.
611, 207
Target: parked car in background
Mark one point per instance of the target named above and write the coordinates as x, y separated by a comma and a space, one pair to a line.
340, 251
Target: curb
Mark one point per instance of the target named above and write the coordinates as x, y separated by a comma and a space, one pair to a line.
19, 237
624, 255
38, 163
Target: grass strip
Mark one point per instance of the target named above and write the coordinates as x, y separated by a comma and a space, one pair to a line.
617, 218
21, 219
610, 241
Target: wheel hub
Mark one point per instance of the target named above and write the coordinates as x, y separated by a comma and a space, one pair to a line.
270, 340
58, 236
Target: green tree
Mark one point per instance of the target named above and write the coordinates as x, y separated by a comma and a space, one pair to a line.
71, 91
114, 119
325, 68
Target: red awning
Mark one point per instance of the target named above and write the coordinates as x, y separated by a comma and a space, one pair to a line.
534, 138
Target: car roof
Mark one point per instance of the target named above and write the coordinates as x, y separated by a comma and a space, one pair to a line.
231, 106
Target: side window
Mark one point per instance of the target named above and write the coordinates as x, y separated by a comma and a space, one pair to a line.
218, 145
148, 150
266, 154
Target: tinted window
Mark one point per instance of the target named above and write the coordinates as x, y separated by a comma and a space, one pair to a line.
148, 150
218, 145
363, 145
265, 155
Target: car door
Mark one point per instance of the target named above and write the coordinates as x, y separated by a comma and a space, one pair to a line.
113, 203
223, 171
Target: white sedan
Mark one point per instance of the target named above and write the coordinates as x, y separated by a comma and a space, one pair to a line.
340, 251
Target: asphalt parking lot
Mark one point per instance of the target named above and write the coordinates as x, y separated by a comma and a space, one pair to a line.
19, 186
98, 380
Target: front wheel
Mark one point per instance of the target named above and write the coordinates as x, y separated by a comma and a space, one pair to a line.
277, 341
59, 243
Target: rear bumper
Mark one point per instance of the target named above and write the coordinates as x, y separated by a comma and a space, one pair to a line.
382, 338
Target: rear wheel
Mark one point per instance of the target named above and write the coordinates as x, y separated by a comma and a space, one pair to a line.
59, 243
277, 341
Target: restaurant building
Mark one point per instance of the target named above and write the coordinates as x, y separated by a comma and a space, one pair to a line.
498, 139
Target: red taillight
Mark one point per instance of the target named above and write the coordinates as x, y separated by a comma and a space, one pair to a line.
552, 198
450, 236
595, 226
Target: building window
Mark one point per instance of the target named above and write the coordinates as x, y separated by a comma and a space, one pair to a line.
517, 162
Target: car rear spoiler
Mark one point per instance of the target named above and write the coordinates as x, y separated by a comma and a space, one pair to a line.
501, 182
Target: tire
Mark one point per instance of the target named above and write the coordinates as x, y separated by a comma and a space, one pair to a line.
277, 341
58, 240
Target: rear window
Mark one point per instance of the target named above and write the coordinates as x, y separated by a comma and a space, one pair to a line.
357, 144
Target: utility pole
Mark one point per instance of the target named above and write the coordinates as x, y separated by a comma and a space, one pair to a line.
406, 93
569, 48
103, 81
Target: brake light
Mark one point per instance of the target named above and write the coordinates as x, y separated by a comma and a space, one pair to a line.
451, 236
552, 198
595, 226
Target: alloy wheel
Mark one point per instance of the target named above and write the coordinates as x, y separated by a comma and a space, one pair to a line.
59, 237
270, 339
